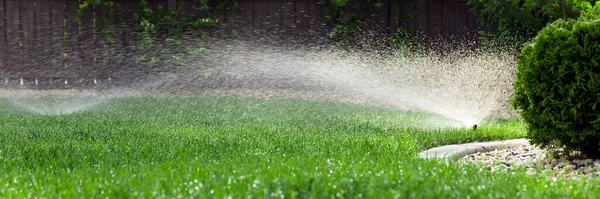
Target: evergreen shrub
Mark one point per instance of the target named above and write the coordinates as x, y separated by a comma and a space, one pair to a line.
557, 86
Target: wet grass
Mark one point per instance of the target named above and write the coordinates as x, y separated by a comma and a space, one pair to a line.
219, 147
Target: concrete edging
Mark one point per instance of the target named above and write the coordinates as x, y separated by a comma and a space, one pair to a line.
456, 151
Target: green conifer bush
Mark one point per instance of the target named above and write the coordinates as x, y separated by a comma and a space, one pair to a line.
557, 86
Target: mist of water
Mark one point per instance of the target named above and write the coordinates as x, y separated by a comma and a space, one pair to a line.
60, 102
463, 86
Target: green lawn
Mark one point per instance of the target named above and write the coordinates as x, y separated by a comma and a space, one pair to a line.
216, 147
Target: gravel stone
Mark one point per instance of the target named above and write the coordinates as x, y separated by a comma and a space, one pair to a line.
535, 160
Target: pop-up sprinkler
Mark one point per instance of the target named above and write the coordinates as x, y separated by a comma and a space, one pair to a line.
474, 126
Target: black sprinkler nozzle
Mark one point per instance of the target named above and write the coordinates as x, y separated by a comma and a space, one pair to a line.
475, 127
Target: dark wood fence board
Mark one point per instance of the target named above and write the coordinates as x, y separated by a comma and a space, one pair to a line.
188, 8
247, 16
86, 44
55, 64
302, 17
14, 40
377, 20
128, 25
472, 24
383, 17
461, 21
173, 4
273, 20
122, 31
129, 8
435, 20
394, 18
28, 55
407, 16
315, 13
43, 36
73, 50
111, 47
261, 12
288, 21
155, 4
231, 16
421, 18
448, 23
3, 65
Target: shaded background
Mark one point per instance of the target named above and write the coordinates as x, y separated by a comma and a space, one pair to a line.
41, 42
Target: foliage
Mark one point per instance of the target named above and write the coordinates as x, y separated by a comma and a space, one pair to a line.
407, 42
160, 32
557, 87
526, 17
347, 16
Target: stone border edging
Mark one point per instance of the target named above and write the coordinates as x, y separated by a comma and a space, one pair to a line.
456, 151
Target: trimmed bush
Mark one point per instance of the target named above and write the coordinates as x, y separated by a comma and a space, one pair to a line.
557, 87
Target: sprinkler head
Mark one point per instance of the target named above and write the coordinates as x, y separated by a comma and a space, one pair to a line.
475, 127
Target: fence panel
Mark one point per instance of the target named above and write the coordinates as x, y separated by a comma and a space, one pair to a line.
41, 38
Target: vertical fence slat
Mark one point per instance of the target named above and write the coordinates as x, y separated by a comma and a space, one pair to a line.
110, 40
448, 20
377, 20
435, 19
302, 17
13, 31
86, 42
43, 40
315, 12
273, 19
261, 12
121, 30
383, 17
28, 55
472, 24
55, 65
128, 29
408, 16
232, 16
421, 14
188, 8
42, 22
394, 16
173, 4
3, 65
73, 58
460, 21
287, 17
247, 17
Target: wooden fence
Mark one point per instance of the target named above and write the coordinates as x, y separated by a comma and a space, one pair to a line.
40, 41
